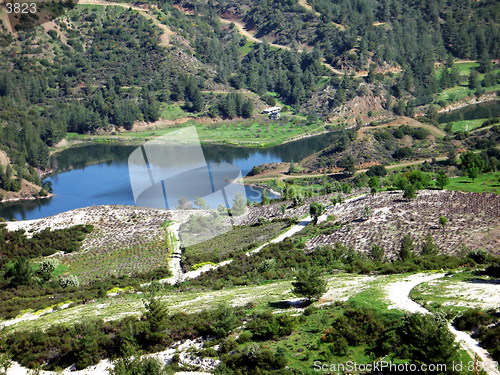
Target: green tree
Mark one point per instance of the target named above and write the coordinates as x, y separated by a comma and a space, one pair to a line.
247, 109
443, 221
374, 184
46, 269
310, 284
406, 249
472, 164
442, 180
265, 197
376, 253
239, 205
348, 163
156, 315
22, 273
427, 340
222, 321
316, 210
409, 191
485, 65
474, 82
200, 202
429, 247
197, 103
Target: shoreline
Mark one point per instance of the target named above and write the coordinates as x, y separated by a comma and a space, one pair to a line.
134, 142
49, 195
465, 102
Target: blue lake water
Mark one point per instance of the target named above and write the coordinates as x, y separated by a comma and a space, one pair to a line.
98, 174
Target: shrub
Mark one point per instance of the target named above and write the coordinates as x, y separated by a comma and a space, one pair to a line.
472, 319
69, 281
268, 326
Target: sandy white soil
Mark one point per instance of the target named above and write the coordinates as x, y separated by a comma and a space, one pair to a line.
398, 295
399, 291
485, 295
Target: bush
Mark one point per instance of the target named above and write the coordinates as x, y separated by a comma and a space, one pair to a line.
472, 319
376, 170
69, 281
269, 326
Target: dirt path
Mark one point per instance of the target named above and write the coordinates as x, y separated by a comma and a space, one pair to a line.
247, 34
398, 294
167, 32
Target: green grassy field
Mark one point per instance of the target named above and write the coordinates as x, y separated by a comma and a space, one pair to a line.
454, 93
247, 47
461, 91
466, 125
173, 112
253, 132
484, 183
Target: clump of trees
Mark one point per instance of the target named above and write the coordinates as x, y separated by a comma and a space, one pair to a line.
43, 243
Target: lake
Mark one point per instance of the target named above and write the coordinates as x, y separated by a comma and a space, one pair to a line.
98, 174
472, 112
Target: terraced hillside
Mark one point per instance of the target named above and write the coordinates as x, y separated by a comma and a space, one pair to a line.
125, 240
383, 219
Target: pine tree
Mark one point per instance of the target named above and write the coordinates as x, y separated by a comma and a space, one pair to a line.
239, 205
309, 284
429, 247
406, 250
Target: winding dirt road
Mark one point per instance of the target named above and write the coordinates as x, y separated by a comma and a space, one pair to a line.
398, 294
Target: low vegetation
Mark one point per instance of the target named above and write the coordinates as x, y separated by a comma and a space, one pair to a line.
228, 245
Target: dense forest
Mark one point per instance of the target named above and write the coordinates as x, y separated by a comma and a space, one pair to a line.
102, 69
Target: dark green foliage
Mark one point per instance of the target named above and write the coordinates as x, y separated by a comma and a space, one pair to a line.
407, 248
22, 273
267, 326
84, 344
403, 153
309, 283
490, 339
429, 247
138, 366
156, 317
442, 180
471, 163
254, 359
348, 163
221, 321
376, 170
43, 243
357, 326
426, 339
376, 253
473, 319
316, 210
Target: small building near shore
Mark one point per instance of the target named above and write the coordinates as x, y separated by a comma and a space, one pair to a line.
274, 113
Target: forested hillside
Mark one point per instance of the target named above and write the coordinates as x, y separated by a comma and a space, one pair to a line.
100, 69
